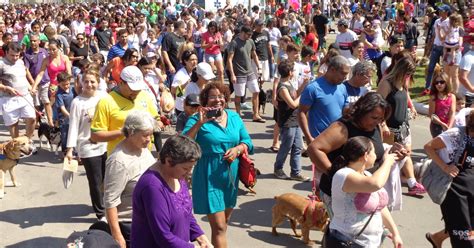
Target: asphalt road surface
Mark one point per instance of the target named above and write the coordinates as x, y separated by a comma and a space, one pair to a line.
41, 213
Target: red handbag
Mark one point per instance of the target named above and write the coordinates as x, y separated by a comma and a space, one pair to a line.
247, 171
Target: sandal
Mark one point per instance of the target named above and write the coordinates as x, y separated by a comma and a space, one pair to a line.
259, 120
428, 237
274, 149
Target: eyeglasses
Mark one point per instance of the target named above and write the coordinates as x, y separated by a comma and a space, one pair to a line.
439, 82
124, 37
219, 97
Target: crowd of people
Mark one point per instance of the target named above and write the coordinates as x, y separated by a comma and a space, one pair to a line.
110, 77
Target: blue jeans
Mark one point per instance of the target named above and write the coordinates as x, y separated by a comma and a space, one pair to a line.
64, 127
273, 66
291, 140
200, 54
436, 54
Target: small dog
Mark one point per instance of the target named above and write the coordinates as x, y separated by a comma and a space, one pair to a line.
10, 153
299, 210
52, 135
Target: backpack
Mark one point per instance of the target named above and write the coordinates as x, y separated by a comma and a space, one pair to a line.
378, 64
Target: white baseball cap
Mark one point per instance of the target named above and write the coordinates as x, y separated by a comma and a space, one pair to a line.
205, 70
133, 77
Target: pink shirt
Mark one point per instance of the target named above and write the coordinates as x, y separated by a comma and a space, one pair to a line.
214, 49
442, 107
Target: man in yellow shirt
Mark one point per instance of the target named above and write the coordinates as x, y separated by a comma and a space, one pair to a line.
112, 110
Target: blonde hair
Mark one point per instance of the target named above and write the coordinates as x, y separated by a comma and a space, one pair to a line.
402, 68
188, 45
455, 20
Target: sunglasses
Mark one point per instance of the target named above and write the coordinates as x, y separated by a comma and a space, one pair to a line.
80, 38
367, 26
440, 82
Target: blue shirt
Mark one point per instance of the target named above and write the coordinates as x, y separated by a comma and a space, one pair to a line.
63, 98
115, 51
326, 101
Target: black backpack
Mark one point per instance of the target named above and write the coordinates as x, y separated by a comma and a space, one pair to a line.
378, 64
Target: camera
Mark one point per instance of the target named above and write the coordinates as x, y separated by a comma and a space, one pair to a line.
214, 113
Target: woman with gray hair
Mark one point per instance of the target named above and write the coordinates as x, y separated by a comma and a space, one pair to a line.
163, 210
124, 167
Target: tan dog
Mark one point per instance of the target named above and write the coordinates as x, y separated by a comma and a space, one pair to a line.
299, 210
10, 153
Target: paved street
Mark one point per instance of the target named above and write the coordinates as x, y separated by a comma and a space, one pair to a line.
41, 213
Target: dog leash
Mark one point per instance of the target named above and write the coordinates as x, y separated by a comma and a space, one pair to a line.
313, 196
29, 103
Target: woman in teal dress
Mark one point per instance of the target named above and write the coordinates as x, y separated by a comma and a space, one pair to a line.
222, 138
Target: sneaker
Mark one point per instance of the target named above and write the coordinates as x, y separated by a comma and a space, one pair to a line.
300, 178
281, 174
245, 106
425, 92
418, 189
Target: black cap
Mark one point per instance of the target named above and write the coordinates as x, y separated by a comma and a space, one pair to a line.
395, 39
192, 100
92, 239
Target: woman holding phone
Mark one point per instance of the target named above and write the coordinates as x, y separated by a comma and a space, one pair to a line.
222, 137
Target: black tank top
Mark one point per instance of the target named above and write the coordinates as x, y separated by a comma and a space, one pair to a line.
398, 100
353, 131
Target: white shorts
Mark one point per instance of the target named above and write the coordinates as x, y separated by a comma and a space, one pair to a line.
42, 94
210, 58
11, 114
265, 66
249, 81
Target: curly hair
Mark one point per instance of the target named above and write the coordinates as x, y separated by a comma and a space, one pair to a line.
223, 89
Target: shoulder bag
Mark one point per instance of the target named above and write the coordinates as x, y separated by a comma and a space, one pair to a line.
247, 171
330, 241
435, 180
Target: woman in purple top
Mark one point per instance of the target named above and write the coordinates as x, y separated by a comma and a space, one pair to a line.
163, 210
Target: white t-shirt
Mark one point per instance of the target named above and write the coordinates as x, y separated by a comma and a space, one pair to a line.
386, 62
440, 25
154, 82
467, 64
460, 117
344, 42
275, 36
347, 219
181, 77
81, 114
77, 27
452, 140
192, 88
358, 24
295, 27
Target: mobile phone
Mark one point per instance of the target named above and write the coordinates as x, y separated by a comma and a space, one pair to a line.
214, 113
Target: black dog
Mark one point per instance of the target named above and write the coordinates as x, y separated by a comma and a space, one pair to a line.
52, 135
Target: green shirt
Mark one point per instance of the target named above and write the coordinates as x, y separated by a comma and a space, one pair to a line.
26, 40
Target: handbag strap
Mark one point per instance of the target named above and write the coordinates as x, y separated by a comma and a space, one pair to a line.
151, 88
365, 226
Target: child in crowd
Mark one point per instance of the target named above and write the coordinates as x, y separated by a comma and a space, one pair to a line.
291, 135
291, 54
452, 40
306, 64
461, 111
62, 105
442, 105
191, 105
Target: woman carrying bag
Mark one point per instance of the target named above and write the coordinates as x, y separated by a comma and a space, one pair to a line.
452, 151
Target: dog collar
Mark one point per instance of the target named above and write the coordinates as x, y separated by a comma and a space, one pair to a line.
3, 157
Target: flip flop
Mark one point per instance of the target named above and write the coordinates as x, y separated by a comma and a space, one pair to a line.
259, 120
274, 149
428, 237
